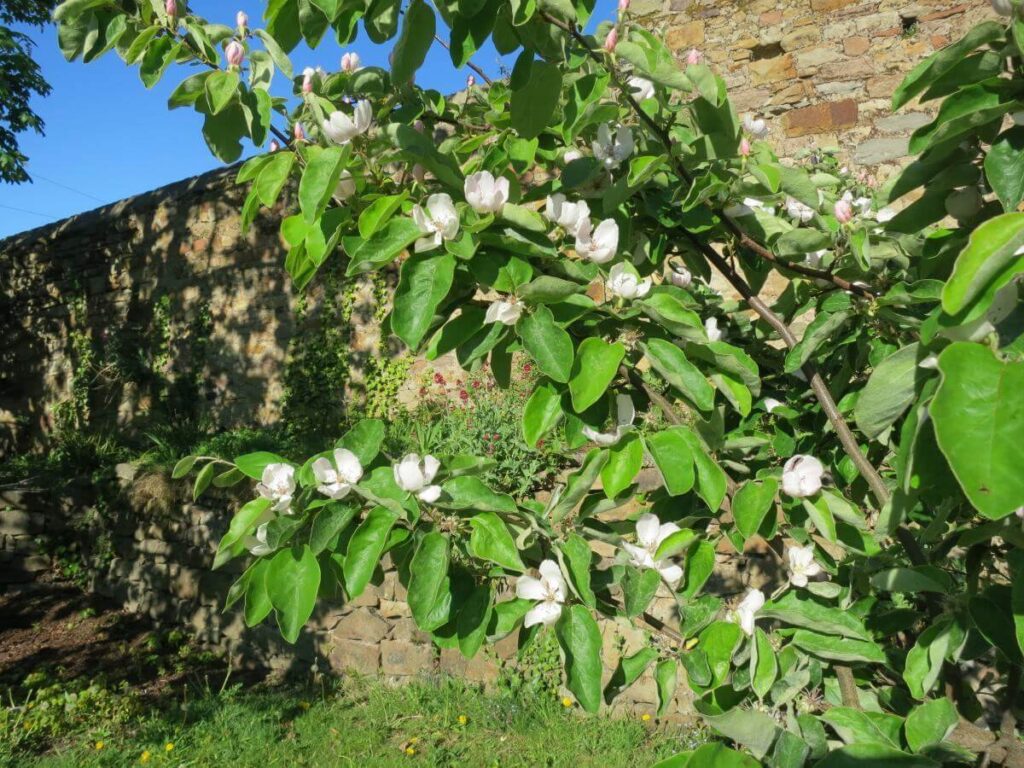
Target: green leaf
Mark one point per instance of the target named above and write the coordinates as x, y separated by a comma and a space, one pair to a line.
319, 178
580, 639
550, 346
921, 579
711, 479
715, 755
764, 667
579, 484
221, 87
873, 755
929, 70
418, 27
578, 555
856, 726
364, 440
257, 599
628, 671
841, 649
978, 415
625, 459
534, 103
820, 513
797, 611
541, 413
473, 620
491, 540
280, 58
469, 492
596, 365
382, 248
378, 213
925, 659
749, 728
548, 290
672, 455
666, 675
930, 723
274, 176
751, 503
428, 582
719, 641
816, 334
671, 364
253, 464
991, 247
423, 285
698, 568
1016, 562
889, 392
203, 479
242, 524
1004, 168
330, 520
639, 586
365, 549
293, 579
183, 467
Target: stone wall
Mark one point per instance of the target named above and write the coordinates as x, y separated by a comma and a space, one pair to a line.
158, 307
159, 566
822, 70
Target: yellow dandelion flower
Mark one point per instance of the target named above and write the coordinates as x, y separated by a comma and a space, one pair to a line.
304, 705
566, 702
144, 757
414, 740
410, 751
99, 745
463, 719
645, 717
168, 746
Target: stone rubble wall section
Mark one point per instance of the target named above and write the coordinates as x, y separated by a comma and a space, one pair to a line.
823, 71
161, 569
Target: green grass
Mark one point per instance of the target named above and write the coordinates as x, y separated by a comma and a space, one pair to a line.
365, 723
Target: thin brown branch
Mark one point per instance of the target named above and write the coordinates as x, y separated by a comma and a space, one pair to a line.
470, 64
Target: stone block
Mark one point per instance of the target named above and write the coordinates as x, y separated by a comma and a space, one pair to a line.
404, 659
824, 6
820, 118
874, 151
801, 38
362, 625
772, 70
856, 45
406, 629
907, 122
355, 656
394, 609
685, 36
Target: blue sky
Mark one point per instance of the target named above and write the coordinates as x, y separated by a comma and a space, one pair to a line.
108, 138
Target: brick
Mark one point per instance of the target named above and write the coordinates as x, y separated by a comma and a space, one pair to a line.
770, 18
945, 13
821, 118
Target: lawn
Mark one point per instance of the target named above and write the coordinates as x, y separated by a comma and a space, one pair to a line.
360, 722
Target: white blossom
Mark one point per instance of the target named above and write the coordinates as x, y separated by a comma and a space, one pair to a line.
714, 333
350, 62
257, 544
571, 155
278, 485
415, 475
623, 281
650, 533
748, 207
335, 479
814, 258
641, 88
341, 128
439, 221
601, 245
504, 312
799, 211
860, 205
770, 404
885, 215
484, 193
745, 614
801, 476
680, 276
572, 217
624, 418
802, 565
549, 592
346, 187
755, 126
612, 150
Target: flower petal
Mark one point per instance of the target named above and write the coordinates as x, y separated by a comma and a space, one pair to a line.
542, 613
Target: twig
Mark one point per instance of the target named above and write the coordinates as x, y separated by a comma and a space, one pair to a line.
470, 64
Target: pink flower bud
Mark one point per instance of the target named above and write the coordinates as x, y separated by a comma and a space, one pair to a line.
274, 146
744, 147
623, 6
612, 40
171, 6
242, 19
300, 134
235, 53
350, 62
470, 81
420, 126
419, 173
307, 85
843, 211
694, 57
